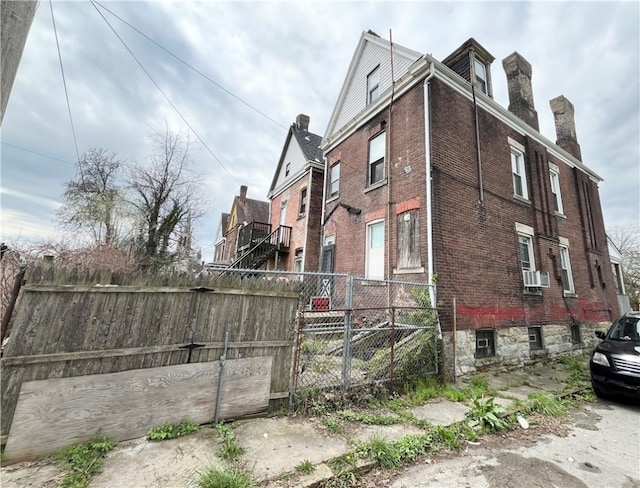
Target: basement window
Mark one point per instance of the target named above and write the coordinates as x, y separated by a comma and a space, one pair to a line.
576, 337
535, 338
485, 343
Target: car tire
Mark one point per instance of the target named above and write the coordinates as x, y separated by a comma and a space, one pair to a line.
599, 393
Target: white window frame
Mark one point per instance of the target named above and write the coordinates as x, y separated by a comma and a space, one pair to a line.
554, 176
565, 267
373, 85
334, 177
481, 79
304, 199
374, 258
287, 169
518, 170
525, 232
379, 159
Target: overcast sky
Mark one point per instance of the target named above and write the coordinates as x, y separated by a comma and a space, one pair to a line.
286, 58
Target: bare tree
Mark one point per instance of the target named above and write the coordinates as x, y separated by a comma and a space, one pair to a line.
94, 202
167, 198
627, 241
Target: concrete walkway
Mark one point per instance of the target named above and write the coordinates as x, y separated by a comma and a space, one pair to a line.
275, 446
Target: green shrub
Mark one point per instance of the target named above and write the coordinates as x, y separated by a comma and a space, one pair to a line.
171, 431
223, 478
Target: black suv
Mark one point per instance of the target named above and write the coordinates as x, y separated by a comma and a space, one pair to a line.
615, 362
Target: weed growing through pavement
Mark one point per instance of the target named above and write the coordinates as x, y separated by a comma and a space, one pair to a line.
230, 449
82, 461
546, 405
368, 418
333, 425
171, 431
305, 467
230, 477
486, 415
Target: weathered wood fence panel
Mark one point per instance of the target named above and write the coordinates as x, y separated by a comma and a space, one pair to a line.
58, 412
67, 330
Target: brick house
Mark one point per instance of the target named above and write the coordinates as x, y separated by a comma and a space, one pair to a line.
247, 223
429, 179
295, 197
220, 242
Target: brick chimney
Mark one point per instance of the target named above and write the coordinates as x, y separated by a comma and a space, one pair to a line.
243, 194
518, 72
302, 122
563, 115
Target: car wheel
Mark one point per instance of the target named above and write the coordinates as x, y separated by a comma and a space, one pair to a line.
599, 393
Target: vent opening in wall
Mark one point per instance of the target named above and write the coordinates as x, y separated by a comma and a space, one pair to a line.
535, 338
485, 343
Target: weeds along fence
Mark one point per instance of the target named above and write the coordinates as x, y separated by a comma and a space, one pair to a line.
355, 331
71, 323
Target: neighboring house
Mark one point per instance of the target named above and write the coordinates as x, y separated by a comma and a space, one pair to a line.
247, 226
219, 245
624, 304
429, 179
296, 197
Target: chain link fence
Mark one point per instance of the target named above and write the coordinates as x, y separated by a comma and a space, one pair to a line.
355, 331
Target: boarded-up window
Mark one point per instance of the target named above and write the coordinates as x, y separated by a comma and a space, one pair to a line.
409, 240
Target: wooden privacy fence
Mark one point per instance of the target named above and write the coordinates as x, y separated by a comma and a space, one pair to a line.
61, 332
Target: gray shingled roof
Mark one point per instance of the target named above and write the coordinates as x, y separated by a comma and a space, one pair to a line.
252, 211
309, 142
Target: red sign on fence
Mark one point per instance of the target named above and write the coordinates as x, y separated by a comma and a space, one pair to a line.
320, 304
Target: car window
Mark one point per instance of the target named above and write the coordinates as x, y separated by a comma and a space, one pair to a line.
626, 329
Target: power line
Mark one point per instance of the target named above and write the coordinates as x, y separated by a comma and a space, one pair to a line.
192, 67
38, 153
66, 93
164, 94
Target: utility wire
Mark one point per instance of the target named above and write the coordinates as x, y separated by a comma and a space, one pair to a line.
164, 94
191, 67
66, 93
38, 153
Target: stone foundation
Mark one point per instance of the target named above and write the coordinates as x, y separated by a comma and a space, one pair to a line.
512, 348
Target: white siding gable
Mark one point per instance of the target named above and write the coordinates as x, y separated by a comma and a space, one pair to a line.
374, 52
297, 161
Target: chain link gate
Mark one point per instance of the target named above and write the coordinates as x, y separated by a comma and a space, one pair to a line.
355, 331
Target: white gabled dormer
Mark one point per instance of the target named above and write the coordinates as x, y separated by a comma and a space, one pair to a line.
368, 79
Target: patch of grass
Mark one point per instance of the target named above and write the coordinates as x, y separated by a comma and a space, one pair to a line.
447, 437
230, 449
332, 424
410, 447
547, 405
486, 415
171, 431
380, 451
368, 418
82, 461
454, 394
305, 467
422, 390
230, 477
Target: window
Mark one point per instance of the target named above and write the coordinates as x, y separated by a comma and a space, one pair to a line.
485, 344
377, 147
525, 244
408, 240
519, 176
565, 265
335, 180
375, 250
373, 85
480, 72
297, 263
554, 174
303, 202
535, 338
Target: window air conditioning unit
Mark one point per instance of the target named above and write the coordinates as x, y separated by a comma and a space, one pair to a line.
535, 279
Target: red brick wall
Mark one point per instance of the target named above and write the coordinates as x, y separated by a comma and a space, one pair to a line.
475, 245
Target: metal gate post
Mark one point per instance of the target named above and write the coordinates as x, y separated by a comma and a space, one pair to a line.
348, 316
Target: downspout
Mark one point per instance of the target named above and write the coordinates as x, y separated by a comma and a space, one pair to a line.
388, 164
306, 224
324, 201
427, 155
